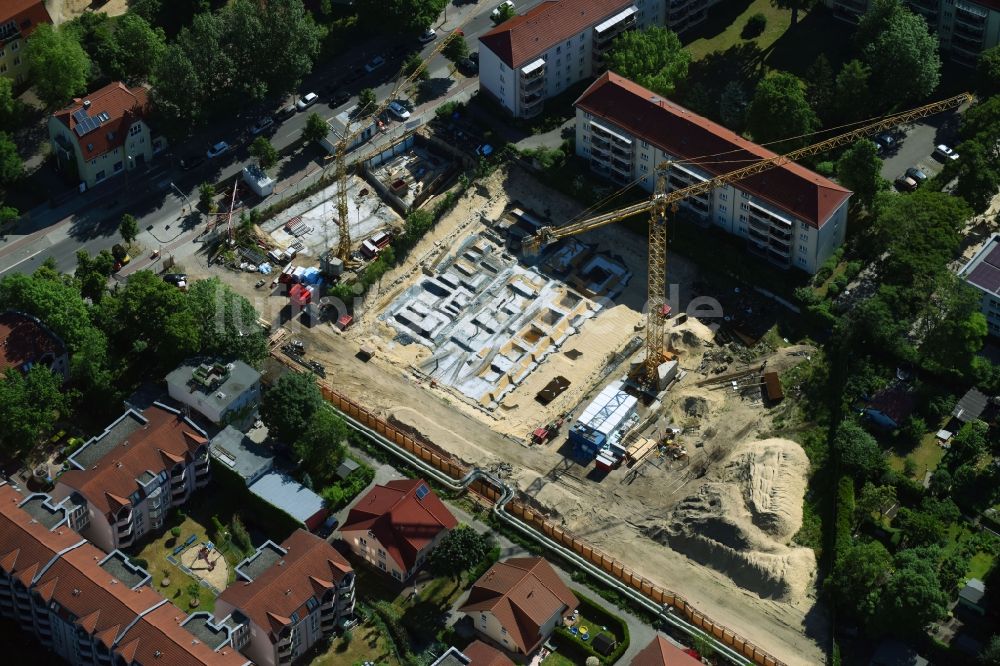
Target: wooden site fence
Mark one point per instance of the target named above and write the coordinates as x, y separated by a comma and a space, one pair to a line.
608, 564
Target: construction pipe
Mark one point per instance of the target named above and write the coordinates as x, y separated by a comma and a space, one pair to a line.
661, 611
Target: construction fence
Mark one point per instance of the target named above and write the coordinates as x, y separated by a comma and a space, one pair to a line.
532, 517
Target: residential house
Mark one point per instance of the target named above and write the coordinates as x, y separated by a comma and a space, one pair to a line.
477, 653
536, 56
25, 341
965, 27
125, 480
87, 606
789, 215
661, 652
971, 407
519, 602
982, 273
971, 596
221, 392
890, 407
286, 598
105, 134
18, 19
254, 464
395, 526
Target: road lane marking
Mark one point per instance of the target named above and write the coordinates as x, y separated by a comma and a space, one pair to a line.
30, 256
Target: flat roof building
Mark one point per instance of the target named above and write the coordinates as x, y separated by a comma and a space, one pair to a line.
221, 392
982, 273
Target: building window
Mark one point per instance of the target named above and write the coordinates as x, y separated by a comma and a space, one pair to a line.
723, 196
17, 61
744, 206
395, 574
742, 229
743, 218
381, 565
803, 248
15, 46
745, 195
804, 236
643, 168
3, 68
645, 157
364, 541
722, 207
802, 261
135, 129
381, 553
644, 144
100, 175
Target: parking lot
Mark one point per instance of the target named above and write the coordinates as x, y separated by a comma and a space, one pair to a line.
915, 145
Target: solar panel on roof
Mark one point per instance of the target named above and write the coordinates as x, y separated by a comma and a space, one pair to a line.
422, 491
985, 277
79, 115
993, 258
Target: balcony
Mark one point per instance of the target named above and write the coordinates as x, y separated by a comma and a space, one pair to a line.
776, 245
532, 108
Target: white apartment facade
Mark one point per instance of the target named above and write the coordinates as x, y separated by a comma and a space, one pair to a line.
534, 57
982, 273
965, 27
790, 216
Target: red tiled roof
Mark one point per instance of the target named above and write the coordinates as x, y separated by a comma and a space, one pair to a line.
159, 638
661, 652
525, 37
23, 340
523, 593
481, 654
895, 403
125, 105
29, 14
26, 545
113, 478
306, 571
686, 135
399, 521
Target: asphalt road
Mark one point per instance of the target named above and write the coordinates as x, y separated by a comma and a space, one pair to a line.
916, 143
161, 197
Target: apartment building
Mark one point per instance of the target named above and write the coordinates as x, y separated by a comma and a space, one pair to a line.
965, 27
396, 526
982, 273
286, 598
221, 392
90, 607
789, 215
123, 482
104, 134
18, 19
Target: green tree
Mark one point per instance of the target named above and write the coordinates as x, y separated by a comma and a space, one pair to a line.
138, 47
912, 597
292, 38
265, 154
978, 173
315, 129
653, 58
875, 499
128, 228
227, 321
47, 296
10, 107
11, 167
990, 654
178, 87
779, 113
969, 444
859, 169
920, 528
988, 72
59, 65
31, 403
289, 406
859, 453
321, 446
952, 327
458, 551
414, 63
457, 48
902, 53
856, 581
405, 16
795, 5
206, 196
92, 273
366, 102
852, 97
820, 80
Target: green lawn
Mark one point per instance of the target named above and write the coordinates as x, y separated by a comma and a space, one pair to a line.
155, 553
979, 565
556, 659
927, 456
724, 26
367, 644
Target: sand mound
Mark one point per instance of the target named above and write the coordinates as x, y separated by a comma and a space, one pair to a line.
740, 520
696, 406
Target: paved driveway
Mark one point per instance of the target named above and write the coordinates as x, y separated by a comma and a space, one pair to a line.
916, 143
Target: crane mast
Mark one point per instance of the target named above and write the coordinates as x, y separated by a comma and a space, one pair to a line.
663, 202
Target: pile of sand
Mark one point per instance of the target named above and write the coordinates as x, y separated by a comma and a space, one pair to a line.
741, 519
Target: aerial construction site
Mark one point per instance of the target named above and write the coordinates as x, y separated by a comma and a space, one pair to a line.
532, 366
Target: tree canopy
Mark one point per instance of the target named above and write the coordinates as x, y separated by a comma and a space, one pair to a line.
780, 114
227, 322
401, 16
289, 406
458, 551
315, 129
30, 403
859, 169
857, 579
265, 154
859, 453
654, 58
11, 167
321, 446
456, 49
59, 65
796, 6
128, 228
137, 48
901, 51
988, 72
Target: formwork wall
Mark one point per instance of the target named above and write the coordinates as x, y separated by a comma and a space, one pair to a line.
519, 509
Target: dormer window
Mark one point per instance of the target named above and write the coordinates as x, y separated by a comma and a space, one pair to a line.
90, 147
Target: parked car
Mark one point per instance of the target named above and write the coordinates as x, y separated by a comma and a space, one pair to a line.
905, 184
340, 98
191, 161
175, 278
375, 63
474, 57
428, 36
217, 149
885, 142
917, 175
468, 66
500, 8
306, 101
943, 152
398, 110
262, 125
286, 112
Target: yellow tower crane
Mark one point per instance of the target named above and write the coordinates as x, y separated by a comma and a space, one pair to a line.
662, 201
343, 146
